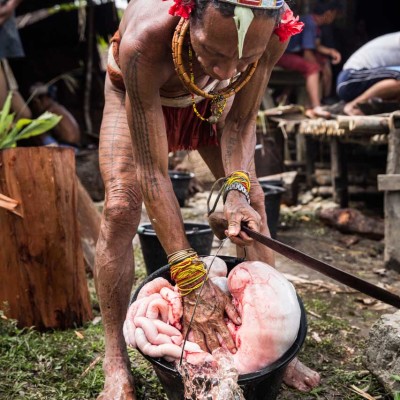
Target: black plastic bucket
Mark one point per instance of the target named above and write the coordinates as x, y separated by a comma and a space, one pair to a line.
180, 183
200, 237
261, 385
272, 200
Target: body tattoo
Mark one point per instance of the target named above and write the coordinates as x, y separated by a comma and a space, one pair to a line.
139, 130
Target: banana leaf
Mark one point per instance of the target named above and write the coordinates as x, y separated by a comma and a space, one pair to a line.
4, 115
39, 125
11, 135
26, 128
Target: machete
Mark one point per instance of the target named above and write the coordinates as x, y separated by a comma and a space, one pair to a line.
324, 268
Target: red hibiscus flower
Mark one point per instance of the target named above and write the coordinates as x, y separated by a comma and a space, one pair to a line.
182, 8
288, 26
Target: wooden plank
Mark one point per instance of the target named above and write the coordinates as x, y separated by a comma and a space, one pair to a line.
389, 182
392, 198
366, 123
288, 177
9, 204
339, 173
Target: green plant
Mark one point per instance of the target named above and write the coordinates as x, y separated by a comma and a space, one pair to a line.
396, 378
11, 131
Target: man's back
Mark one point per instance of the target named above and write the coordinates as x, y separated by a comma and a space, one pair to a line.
382, 51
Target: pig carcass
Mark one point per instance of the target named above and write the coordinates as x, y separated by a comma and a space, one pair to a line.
270, 313
264, 298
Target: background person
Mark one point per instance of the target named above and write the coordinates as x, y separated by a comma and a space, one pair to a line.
373, 71
305, 54
10, 47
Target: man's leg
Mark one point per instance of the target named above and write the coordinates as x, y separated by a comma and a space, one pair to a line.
387, 89
297, 375
327, 77
312, 88
114, 270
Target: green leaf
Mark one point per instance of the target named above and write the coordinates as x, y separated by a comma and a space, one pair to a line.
10, 138
26, 128
5, 116
39, 125
17, 128
7, 125
396, 378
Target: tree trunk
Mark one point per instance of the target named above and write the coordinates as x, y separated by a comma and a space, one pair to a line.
41, 263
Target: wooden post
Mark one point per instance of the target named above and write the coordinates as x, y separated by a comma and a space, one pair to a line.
392, 197
89, 220
339, 173
42, 277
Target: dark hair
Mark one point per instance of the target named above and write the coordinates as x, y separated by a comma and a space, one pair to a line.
322, 8
227, 10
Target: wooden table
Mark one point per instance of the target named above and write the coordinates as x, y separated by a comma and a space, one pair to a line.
361, 128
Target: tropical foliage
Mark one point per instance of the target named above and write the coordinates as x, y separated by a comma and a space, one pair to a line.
12, 130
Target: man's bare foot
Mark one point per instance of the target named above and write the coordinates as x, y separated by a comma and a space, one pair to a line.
300, 377
118, 380
352, 109
321, 112
317, 112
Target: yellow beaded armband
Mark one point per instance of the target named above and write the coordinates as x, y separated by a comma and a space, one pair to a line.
188, 273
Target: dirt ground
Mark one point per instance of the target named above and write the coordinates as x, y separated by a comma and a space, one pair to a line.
339, 318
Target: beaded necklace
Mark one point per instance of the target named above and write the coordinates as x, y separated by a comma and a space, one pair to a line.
218, 98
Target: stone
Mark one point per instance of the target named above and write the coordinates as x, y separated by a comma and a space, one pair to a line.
383, 351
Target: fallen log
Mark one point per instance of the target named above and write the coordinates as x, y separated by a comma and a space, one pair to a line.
349, 220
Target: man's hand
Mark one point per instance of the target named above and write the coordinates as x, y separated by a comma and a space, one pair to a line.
7, 9
208, 321
236, 211
336, 57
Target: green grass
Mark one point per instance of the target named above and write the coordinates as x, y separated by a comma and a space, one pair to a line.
49, 365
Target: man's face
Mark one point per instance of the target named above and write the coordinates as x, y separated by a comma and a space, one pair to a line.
215, 42
330, 16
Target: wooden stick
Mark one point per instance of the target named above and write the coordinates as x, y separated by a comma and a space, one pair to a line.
9, 204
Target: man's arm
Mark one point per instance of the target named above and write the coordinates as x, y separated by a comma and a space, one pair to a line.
332, 53
144, 69
239, 139
143, 73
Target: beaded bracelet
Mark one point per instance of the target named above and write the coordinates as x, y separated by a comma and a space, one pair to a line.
188, 274
236, 186
238, 180
180, 255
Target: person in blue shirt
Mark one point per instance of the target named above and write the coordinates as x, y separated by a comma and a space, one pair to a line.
306, 55
372, 72
10, 47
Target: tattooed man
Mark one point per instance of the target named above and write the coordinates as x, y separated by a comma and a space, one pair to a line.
188, 74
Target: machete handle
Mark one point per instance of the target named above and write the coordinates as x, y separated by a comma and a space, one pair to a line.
218, 224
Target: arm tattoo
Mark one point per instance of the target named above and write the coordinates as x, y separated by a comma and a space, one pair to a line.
230, 147
140, 131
